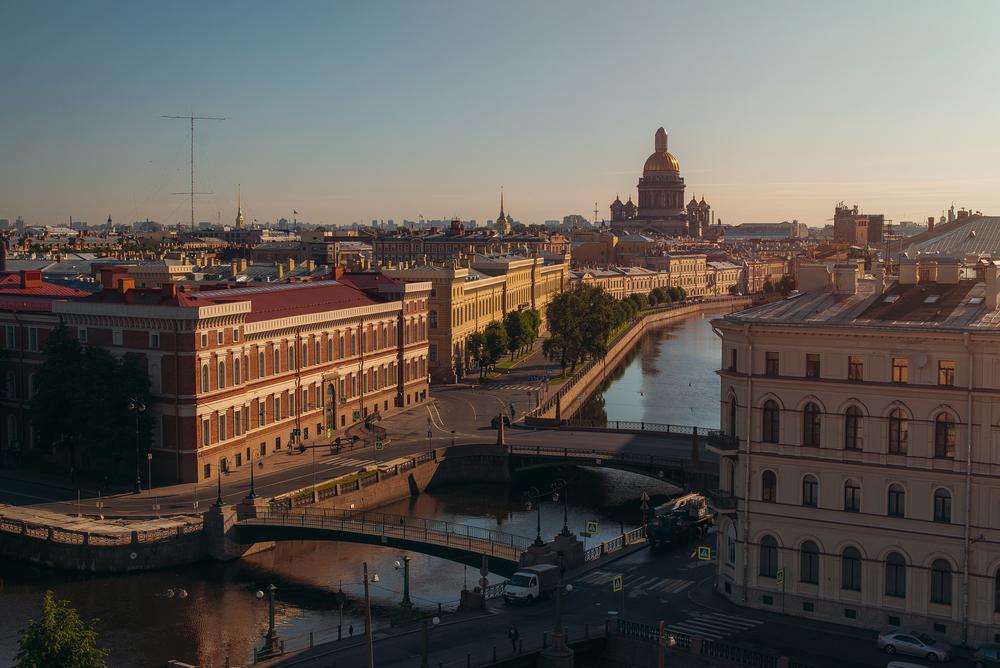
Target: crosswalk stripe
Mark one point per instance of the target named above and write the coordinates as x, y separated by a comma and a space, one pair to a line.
739, 621
709, 632
670, 586
641, 583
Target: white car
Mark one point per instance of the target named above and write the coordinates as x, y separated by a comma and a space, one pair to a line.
914, 644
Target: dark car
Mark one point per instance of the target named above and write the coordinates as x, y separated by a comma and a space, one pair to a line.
495, 422
987, 655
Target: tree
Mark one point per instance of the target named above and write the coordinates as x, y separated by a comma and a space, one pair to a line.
651, 298
533, 322
515, 325
81, 401
59, 638
474, 350
495, 342
661, 296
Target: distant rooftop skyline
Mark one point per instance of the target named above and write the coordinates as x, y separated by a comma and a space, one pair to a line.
353, 112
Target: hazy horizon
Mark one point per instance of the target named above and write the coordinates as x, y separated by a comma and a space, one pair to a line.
358, 111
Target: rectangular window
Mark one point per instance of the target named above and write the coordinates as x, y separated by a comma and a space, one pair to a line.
946, 372
897, 500
82, 336
33, 339
771, 364
277, 408
222, 426
810, 489
732, 359
154, 339
900, 370
852, 497
204, 340
239, 459
812, 365
851, 570
432, 352
206, 432
261, 413
236, 335
855, 367
206, 471
291, 404
237, 423
220, 338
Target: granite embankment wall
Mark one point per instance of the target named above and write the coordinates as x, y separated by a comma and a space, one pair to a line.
102, 546
566, 401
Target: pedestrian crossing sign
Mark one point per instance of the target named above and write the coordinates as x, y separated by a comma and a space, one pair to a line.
616, 584
704, 553
781, 576
591, 526
378, 445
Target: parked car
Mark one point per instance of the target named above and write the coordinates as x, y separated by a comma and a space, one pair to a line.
914, 644
904, 664
495, 422
987, 655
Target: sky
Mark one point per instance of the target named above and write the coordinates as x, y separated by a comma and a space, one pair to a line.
353, 111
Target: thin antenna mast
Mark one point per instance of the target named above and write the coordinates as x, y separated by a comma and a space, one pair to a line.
191, 117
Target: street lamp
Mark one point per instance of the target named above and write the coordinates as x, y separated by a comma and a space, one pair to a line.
271, 639
137, 407
559, 590
424, 649
406, 603
531, 494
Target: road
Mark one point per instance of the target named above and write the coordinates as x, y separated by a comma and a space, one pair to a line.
666, 585
455, 415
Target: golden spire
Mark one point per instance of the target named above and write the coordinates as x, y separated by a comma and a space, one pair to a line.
239, 208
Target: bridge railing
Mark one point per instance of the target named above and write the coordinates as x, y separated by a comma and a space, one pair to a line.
656, 427
617, 543
439, 532
598, 456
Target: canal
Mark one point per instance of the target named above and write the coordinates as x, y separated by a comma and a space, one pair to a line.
668, 378
207, 612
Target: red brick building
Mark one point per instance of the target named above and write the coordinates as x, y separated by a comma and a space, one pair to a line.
240, 373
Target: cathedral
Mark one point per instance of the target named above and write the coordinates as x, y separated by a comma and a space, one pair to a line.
661, 208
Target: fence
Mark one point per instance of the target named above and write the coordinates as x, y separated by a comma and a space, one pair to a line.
620, 542
600, 456
434, 532
346, 483
112, 537
624, 425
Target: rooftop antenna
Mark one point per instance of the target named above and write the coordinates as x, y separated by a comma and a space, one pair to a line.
595, 213
191, 117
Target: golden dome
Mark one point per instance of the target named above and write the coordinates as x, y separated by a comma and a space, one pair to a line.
661, 161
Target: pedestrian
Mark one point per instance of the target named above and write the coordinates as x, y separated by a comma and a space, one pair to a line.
512, 411
513, 635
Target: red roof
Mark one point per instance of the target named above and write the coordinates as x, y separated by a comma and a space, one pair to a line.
11, 283
284, 300
367, 280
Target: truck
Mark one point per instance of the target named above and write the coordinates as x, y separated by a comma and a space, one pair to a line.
679, 520
530, 583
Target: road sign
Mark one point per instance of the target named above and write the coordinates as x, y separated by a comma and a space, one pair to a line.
356, 415
378, 444
616, 584
704, 553
644, 496
591, 526
781, 576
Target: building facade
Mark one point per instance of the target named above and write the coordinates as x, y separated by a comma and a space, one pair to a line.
862, 453
239, 374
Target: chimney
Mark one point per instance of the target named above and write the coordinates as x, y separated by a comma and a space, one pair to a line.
291, 264
949, 271
31, 278
168, 290
234, 266
281, 269
109, 276
930, 223
845, 279
992, 285
311, 265
338, 273
878, 272
243, 264
908, 271
125, 284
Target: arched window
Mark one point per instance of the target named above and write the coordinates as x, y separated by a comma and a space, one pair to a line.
277, 360
236, 371
852, 496
769, 487
385, 336
768, 557
810, 491
810, 425
944, 436
260, 364
898, 432
222, 375
996, 591
853, 421
731, 550
897, 501
204, 378
809, 563
732, 417
291, 357
942, 505
895, 575
850, 569
772, 422
941, 582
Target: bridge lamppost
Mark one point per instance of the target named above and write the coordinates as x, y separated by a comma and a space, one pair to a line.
560, 485
136, 406
532, 494
271, 640
406, 603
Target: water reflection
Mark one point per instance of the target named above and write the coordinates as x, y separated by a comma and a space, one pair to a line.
222, 618
669, 378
